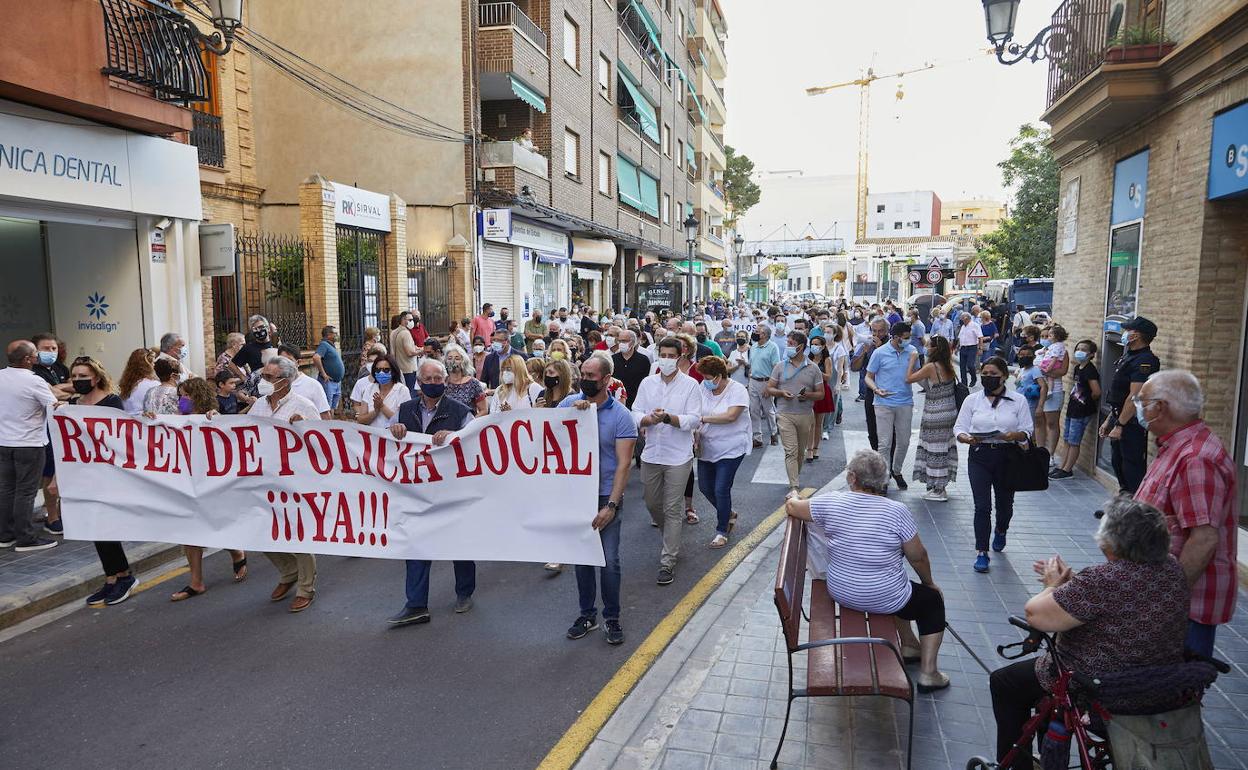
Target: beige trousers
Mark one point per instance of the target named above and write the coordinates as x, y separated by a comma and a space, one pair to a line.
297, 568
665, 499
795, 430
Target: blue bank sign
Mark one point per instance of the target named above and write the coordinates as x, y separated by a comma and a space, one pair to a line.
1130, 188
1228, 154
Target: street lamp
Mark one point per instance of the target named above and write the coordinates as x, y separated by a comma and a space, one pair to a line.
691, 240
1000, 17
227, 17
738, 244
759, 256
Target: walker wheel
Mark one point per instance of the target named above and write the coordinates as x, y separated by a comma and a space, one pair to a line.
979, 763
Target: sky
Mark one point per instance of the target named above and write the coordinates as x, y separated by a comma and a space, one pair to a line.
947, 134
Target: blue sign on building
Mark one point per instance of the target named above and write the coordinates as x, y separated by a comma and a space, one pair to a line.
1228, 154
1130, 190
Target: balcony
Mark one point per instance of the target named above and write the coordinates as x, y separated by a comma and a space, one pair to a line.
1104, 72
208, 136
510, 48
711, 200
712, 98
710, 38
513, 155
641, 32
152, 45
712, 148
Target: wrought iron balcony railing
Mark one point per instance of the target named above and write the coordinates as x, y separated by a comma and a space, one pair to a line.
151, 44
1088, 33
510, 15
208, 136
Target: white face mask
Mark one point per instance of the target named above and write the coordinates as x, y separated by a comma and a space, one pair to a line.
625, 347
507, 378
265, 388
667, 366
539, 353
411, 324
478, 348
610, 341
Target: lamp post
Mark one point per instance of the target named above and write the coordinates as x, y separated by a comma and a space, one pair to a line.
1000, 17
227, 17
738, 243
759, 256
691, 240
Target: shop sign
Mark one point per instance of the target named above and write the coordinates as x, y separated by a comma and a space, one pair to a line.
1228, 161
655, 295
697, 266
90, 165
1130, 188
361, 208
496, 225
505, 228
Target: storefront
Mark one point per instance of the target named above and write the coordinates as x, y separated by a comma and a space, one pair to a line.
593, 263
522, 265
98, 236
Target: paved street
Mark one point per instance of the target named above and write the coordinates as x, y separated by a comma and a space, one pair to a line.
148, 682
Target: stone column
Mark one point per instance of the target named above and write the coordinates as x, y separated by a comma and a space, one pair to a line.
394, 266
460, 257
316, 227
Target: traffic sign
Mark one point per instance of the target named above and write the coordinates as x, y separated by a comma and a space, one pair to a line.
934, 276
934, 264
979, 270
916, 276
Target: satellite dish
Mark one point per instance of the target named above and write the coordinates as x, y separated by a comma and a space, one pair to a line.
1115, 19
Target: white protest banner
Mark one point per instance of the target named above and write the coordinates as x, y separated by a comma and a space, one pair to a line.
516, 486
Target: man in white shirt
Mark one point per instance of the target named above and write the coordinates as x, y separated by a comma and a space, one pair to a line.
279, 401
24, 402
969, 342
304, 385
667, 406
173, 348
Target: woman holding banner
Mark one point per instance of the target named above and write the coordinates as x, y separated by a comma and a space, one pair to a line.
379, 401
461, 382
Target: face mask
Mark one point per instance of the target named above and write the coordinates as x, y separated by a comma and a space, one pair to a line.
625, 347
1126, 339
589, 388
991, 382
1045, 343
503, 317
83, 387
185, 405
558, 355
260, 335
1026, 361
497, 347
742, 342
265, 388
410, 324
701, 337
667, 366
1081, 355
755, 337
539, 353
382, 378
795, 351
478, 349
610, 341
507, 378
490, 314
47, 358
710, 385
1139, 414
551, 382
433, 389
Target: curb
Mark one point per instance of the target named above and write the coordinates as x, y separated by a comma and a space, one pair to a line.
77, 584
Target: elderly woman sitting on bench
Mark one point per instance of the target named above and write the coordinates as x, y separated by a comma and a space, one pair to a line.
865, 536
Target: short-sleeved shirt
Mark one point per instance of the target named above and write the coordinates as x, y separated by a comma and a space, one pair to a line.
763, 359
721, 441
1133, 366
398, 395
1133, 615
1081, 403
468, 393
890, 366
989, 329
293, 405
969, 334
311, 390
614, 422
24, 402
1192, 482
794, 379
331, 359
864, 535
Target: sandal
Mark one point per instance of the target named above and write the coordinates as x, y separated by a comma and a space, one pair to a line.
719, 541
240, 570
186, 593
691, 517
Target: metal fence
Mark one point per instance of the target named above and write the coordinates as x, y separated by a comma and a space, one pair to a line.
429, 290
208, 136
269, 280
510, 15
361, 287
1081, 35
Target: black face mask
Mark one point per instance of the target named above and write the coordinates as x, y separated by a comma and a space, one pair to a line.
260, 335
756, 337
551, 382
742, 342
991, 382
701, 337
1026, 360
83, 387
589, 388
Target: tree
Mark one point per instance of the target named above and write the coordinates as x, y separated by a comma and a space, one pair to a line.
739, 189
1024, 245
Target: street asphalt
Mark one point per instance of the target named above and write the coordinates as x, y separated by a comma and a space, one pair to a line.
228, 679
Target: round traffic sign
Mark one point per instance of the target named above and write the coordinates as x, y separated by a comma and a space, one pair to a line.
916, 276
934, 275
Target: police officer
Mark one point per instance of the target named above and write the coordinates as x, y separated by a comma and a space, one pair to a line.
1128, 438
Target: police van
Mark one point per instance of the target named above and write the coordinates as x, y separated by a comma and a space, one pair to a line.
1032, 293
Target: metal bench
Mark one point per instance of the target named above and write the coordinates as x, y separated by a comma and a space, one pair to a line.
849, 652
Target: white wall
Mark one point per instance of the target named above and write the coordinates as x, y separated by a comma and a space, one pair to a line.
904, 207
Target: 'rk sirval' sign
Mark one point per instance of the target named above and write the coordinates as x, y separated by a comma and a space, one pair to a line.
517, 486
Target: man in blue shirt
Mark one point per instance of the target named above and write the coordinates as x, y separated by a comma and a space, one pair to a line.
894, 402
764, 355
329, 368
617, 435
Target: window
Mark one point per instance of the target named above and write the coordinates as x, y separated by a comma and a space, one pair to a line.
955, 216
667, 209
680, 154
604, 173
571, 153
571, 43
667, 140
636, 110
680, 24
678, 85
968, 215
912, 225
879, 209
896, 225
879, 225
604, 76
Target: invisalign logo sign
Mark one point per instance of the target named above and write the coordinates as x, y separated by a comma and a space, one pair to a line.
97, 308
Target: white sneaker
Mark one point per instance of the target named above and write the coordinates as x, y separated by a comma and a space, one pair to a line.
825, 435
937, 497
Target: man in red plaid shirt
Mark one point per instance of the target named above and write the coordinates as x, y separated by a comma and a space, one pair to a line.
1192, 482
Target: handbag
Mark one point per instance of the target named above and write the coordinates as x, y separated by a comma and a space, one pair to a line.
960, 392
1028, 469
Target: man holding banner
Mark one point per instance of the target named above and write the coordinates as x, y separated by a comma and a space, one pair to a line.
278, 401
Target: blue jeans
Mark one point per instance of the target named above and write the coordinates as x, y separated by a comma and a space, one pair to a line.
333, 393
967, 363
587, 578
418, 581
715, 481
1200, 638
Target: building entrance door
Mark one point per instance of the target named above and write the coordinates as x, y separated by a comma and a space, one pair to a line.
361, 287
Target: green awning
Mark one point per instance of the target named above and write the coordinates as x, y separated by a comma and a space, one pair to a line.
627, 182
698, 103
527, 95
649, 194
648, 22
646, 114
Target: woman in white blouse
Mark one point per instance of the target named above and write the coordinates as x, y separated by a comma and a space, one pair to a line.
723, 441
378, 403
515, 389
991, 422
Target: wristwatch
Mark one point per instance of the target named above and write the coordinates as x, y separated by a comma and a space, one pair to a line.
667, 419
613, 505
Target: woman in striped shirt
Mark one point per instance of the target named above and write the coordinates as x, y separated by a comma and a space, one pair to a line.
864, 536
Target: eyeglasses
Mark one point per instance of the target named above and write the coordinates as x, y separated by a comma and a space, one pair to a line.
272, 377
379, 369
82, 360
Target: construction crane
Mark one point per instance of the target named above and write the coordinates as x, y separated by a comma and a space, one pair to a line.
864, 116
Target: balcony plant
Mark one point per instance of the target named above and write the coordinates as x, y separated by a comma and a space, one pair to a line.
1140, 43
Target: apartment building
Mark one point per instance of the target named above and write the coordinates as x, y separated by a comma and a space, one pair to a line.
1152, 141
971, 218
903, 214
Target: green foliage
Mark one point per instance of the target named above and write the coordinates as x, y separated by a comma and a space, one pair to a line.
1141, 35
741, 191
719, 295
1024, 245
778, 270
283, 275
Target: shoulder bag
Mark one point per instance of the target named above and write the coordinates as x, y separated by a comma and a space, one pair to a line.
1028, 469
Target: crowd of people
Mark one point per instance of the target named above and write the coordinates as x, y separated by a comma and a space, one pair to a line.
684, 398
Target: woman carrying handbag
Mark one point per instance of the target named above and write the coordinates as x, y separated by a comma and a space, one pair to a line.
993, 422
